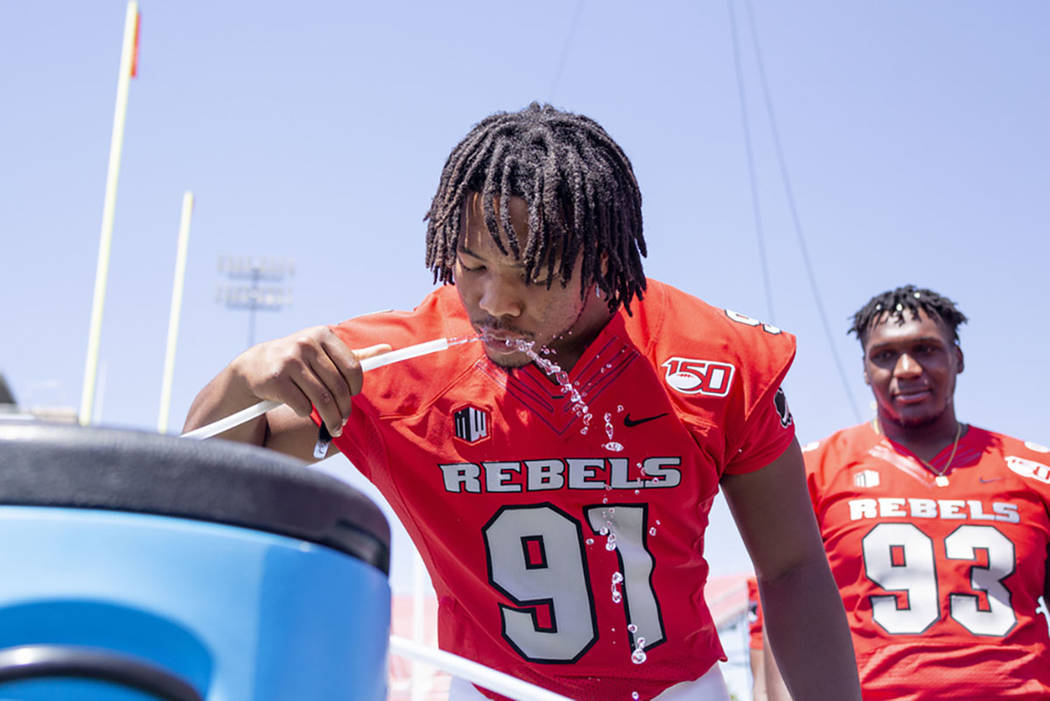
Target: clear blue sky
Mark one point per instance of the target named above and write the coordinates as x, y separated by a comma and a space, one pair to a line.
915, 134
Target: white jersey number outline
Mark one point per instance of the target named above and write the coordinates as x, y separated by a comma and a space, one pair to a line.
537, 557
916, 576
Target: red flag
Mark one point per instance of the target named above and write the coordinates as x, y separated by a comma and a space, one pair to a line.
135, 50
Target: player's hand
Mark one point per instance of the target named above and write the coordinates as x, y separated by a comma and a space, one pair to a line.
310, 368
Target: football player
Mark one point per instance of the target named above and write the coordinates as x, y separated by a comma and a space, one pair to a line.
557, 474
936, 530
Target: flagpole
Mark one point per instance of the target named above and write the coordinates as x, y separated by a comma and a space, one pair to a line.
128, 56
176, 309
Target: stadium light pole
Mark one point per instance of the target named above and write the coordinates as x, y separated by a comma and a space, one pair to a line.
252, 295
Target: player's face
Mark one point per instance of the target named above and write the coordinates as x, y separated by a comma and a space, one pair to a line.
506, 308
911, 369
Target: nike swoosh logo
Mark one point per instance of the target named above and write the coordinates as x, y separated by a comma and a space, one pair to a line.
629, 422
993, 479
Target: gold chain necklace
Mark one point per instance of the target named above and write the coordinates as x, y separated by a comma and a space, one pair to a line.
941, 480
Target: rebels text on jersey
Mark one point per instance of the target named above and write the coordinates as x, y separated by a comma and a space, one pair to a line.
940, 582
564, 538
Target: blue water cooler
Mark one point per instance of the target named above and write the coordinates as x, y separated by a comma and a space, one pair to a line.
135, 566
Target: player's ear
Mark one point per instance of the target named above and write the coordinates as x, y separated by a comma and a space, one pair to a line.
959, 364
603, 271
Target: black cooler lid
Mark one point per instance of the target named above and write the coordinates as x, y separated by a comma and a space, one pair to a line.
43, 464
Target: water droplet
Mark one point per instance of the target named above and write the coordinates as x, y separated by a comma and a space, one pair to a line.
657, 522
615, 587
605, 500
652, 531
637, 491
583, 431
613, 446
619, 407
590, 541
634, 696
610, 542
604, 531
638, 656
632, 628
554, 371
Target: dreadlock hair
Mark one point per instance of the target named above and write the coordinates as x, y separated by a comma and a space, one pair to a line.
893, 303
581, 192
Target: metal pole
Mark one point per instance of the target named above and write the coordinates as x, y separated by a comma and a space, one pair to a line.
176, 309
254, 303
127, 62
420, 683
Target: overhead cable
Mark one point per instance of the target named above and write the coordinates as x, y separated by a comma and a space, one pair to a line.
789, 192
756, 208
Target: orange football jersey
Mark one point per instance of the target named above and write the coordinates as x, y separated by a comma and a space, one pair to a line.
940, 581
754, 615
567, 549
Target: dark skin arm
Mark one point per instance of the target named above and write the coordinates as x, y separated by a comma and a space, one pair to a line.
804, 619
775, 689
310, 368
1046, 581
